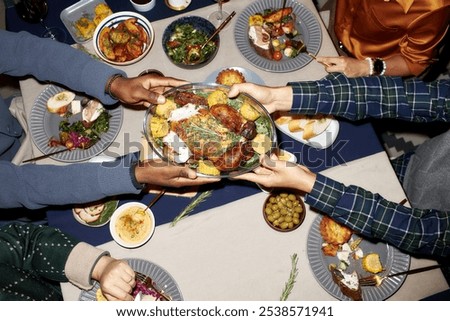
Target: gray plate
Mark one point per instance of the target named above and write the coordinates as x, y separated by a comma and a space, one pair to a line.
250, 76
307, 25
392, 260
44, 125
157, 273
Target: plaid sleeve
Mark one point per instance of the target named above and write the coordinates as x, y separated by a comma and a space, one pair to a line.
373, 97
369, 214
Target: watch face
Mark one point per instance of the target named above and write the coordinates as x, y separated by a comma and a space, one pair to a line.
377, 66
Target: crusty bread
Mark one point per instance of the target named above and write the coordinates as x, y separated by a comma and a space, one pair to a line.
333, 232
316, 127
299, 124
59, 103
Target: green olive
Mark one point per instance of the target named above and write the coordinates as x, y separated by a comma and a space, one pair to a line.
283, 210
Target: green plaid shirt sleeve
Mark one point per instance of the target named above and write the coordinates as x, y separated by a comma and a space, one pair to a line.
412, 230
369, 214
373, 97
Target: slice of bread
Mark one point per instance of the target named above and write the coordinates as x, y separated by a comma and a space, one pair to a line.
317, 127
59, 103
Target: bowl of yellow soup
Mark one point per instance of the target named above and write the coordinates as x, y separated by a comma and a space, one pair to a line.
132, 225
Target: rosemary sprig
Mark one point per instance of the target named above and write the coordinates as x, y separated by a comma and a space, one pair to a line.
289, 285
191, 206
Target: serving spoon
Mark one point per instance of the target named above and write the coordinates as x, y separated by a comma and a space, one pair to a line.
195, 53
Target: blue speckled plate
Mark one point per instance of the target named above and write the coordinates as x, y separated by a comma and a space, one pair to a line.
44, 125
307, 25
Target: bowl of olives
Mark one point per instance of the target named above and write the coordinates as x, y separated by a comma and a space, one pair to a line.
284, 211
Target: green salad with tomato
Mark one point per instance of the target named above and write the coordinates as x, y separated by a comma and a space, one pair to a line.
184, 45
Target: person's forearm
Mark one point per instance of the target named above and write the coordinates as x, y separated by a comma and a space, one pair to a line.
373, 97
37, 186
373, 216
397, 66
25, 54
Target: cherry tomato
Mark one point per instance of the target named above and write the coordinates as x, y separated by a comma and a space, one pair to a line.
277, 55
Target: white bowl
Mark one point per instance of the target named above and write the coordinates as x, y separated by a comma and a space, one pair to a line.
115, 219
144, 7
112, 21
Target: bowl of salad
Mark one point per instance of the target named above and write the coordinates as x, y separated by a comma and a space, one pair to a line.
183, 39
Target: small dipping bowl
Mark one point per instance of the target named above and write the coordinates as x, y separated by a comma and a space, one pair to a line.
178, 5
143, 225
284, 210
143, 5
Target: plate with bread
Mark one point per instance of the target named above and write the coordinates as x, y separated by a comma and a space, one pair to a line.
234, 75
78, 126
339, 258
319, 131
270, 37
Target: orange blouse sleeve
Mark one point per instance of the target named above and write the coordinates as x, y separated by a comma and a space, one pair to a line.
423, 35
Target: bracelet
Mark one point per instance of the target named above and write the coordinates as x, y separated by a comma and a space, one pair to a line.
109, 83
370, 66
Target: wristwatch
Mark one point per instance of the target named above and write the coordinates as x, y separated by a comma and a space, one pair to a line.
379, 67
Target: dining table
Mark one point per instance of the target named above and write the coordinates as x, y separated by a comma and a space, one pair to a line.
224, 250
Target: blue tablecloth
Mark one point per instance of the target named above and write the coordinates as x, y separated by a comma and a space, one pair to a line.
55, 7
354, 141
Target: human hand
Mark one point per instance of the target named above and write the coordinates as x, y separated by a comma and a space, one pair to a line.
273, 98
276, 173
116, 278
143, 90
162, 173
350, 67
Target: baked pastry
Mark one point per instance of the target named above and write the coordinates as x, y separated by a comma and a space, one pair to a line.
372, 263
333, 232
348, 283
230, 77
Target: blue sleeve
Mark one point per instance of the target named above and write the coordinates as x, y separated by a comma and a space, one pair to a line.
36, 186
373, 97
23, 54
410, 229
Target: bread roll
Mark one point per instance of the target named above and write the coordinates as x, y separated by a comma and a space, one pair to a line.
59, 103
